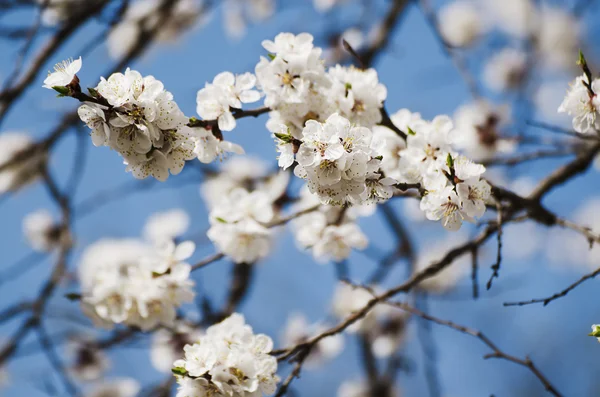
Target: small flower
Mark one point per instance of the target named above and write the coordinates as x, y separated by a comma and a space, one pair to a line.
41, 230
64, 73
582, 105
445, 205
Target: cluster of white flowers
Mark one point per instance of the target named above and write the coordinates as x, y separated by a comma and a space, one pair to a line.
582, 103
250, 173
141, 122
41, 231
324, 117
454, 190
298, 330
341, 162
239, 225
133, 282
243, 199
330, 232
228, 361
17, 174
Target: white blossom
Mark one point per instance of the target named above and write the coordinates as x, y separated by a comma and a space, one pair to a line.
582, 105
229, 360
215, 101
239, 225
24, 171
244, 172
334, 159
208, 147
41, 231
119, 285
294, 68
336, 242
460, 23
143, 123
330, 232
478, 130
63, 74
166, 225
298, 330
445, 205
505, 70
167, 345
348, 299
357, 94
453, 190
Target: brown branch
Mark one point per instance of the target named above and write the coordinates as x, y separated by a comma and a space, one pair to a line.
560, 294
9, 96
566, 172
496, 352
237, 114
385, 33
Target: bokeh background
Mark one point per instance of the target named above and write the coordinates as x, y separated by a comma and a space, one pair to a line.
419, 76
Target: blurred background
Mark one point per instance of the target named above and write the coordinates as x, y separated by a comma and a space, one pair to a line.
437, 57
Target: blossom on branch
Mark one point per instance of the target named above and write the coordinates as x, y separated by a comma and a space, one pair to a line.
229, 360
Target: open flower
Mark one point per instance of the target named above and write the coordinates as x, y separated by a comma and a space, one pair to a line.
64, 73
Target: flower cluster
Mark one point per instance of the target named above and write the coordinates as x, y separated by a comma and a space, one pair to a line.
454, 190
243, 198
330, 232
298, 88
141, 122
230, 360
132, 282
239, 225
340, 162
250, 173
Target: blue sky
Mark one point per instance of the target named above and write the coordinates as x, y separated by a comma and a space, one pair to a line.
418, 77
